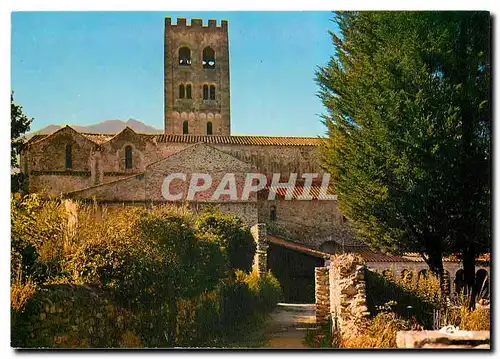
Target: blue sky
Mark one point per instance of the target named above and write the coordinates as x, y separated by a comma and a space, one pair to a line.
85, 67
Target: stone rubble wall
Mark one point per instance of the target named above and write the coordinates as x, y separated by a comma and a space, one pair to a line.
259, 234
435, 339
348, 306
322, 291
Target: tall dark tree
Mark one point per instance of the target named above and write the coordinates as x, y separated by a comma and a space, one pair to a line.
19, 125
408, 121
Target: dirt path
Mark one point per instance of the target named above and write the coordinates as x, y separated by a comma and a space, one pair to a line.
288, 325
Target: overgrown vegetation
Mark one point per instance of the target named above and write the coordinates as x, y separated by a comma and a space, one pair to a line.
409, 303
168, 273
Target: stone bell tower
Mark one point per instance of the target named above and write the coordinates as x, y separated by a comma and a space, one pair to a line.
196, 79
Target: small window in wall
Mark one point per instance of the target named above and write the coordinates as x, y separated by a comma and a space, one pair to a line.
209, 128
184, 56
128, 157
188, 91
208, 58
185, 128
212, 92
205, 92
272, 214
69, 160
182, 91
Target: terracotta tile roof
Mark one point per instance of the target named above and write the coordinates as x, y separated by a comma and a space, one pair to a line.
371, 256
229, 140
97, 137
36, 138
297, 247
416, 257
367, 254
241, 140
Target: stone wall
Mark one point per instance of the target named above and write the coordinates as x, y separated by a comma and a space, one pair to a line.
435, 339
260, 260
348, 307
54, 184
308, 222
72, 316
322, 293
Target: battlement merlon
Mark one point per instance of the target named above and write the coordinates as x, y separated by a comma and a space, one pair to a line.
195, 23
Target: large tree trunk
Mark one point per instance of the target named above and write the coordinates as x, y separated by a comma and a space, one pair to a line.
469, 263
435, 263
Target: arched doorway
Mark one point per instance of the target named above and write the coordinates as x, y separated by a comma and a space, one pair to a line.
482, 284
331, 247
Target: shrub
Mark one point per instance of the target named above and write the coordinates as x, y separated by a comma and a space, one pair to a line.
405, 301
20, 293
233, 236
381, 332
112, 256
266, 289
38, 234
237, 304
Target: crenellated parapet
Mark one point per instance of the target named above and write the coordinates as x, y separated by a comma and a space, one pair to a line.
195, 23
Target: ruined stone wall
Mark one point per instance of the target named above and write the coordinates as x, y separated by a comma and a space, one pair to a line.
348, 308
322, 294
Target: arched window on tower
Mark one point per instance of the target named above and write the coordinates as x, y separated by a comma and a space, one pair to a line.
184, 56
272, 214
182, 91
188, 91
212, 92
69, 160
208, 58
128, 157
185, 128
209, 128
205, 92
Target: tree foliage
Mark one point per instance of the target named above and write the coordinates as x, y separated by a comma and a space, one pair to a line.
408, 97
232, 235
19, 125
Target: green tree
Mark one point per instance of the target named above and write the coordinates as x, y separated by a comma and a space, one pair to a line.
408, 145
19, 125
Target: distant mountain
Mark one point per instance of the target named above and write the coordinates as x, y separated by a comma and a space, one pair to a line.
108, 126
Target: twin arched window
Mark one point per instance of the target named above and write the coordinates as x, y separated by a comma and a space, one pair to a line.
185, 91
128, 157
208, 60
209, 92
